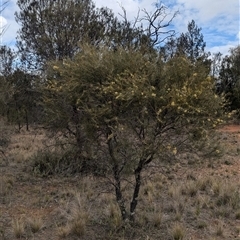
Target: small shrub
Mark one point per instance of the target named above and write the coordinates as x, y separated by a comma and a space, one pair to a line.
56, 162
66, 162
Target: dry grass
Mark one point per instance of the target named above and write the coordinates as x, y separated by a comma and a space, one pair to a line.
76, 218
35, 224
18, 227
177, 231
196, 202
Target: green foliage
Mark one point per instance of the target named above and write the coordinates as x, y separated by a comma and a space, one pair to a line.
229, 78
63, 162
47, 163
127, 109
190, 44
52, 30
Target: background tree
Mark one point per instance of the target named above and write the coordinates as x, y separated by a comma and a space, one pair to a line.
23, 108
190, 45
229, 77
216, 64
52, 29
7, 57
18, 94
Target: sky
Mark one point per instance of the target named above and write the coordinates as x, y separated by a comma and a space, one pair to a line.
218, 19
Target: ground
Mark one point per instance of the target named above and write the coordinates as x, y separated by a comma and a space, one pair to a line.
187, 201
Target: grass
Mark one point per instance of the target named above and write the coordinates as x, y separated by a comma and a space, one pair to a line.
76, 216
35, 224
18, 227
196, 202
177, 231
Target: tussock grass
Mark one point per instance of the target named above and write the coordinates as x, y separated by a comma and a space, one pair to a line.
35, 224
220, 229
114, 216
177, 231
6, 188
77, 218
18, 227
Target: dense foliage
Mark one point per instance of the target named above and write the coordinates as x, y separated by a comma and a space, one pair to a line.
128, 110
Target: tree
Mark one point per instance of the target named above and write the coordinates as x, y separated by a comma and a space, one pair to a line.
216, 64
229, 77
23, 107
7, 57
51, 30
190, 44
18, 93
128, 110
54, 30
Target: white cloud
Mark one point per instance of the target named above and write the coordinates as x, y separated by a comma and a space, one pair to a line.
207, 10
3, 22
224, 49
219, 19
12, 27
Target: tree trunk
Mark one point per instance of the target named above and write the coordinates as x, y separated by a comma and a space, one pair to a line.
27, 120
117, 184
118, 192
78, 132
138, 182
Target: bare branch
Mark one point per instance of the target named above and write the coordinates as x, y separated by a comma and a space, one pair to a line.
157, 21
3, 6
3, 29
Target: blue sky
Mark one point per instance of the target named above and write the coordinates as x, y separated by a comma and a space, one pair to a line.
219, 19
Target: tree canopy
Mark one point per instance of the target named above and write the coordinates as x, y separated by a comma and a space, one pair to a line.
128, 110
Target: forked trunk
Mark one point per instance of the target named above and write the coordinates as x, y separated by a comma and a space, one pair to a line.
138, 182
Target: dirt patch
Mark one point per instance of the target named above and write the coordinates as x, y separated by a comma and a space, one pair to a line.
231, 129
